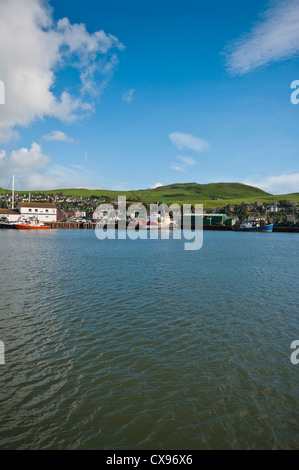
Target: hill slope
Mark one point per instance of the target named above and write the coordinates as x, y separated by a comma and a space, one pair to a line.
177, 191
188, 193
210, 191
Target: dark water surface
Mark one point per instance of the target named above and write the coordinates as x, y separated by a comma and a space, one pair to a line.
141, 345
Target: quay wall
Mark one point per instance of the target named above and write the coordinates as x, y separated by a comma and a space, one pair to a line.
92, 226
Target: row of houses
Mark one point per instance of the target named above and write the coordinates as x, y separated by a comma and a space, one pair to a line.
273, 208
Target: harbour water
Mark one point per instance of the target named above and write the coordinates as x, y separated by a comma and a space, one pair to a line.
122, 344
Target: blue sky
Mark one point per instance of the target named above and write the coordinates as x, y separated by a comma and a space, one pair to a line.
149, 92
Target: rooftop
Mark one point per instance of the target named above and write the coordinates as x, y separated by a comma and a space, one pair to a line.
8, 211
37, 205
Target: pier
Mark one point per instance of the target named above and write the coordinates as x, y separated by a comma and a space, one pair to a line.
72, 225
223, 228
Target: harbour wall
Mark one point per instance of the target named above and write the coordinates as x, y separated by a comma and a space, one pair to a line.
223, 228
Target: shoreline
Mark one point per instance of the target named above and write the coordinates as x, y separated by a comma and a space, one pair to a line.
92, 226
223, 228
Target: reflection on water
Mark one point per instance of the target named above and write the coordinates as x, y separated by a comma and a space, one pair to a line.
141, 345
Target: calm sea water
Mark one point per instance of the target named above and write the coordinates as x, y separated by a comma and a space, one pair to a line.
142, 345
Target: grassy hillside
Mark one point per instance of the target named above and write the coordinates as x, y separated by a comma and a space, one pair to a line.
188, 193
198, 192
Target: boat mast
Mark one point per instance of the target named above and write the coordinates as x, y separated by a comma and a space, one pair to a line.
13, 191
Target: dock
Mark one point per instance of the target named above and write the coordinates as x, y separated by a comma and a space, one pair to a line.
223, 228
72, 225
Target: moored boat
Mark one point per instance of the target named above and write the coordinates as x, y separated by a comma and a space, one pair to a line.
160, 221
5, 223
261, 224
31, 224
255, 227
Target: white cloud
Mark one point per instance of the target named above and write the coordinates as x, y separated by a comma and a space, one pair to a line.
274, 38
186, 141
189, 161
34, 170
185, 163
157, 185
281, 184
58, 136
33, 48
177, 168
79, 40
128, 96
22, 162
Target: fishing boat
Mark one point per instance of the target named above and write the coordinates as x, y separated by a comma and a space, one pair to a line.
160, 221
259, 225
32, 223
255, 227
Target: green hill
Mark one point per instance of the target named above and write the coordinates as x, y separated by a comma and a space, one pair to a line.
208, 191
211, 195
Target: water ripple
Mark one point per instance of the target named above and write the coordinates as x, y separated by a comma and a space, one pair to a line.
135, 345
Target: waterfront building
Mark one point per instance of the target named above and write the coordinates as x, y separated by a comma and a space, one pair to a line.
45, 212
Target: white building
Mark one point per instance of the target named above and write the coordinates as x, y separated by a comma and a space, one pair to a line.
45, 212
80, 214
273, 208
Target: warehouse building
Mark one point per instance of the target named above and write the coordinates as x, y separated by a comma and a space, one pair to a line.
45, 212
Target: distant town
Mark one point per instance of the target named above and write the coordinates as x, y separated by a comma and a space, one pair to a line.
60, 207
